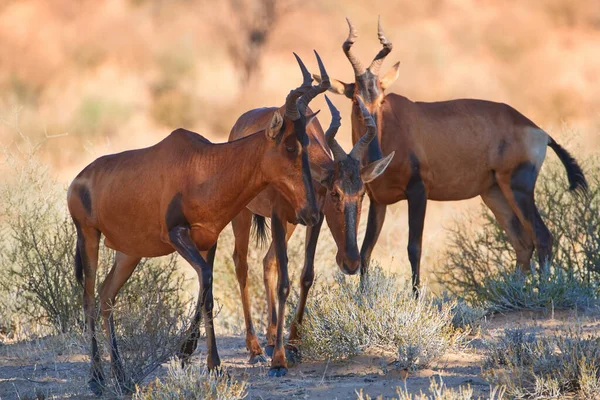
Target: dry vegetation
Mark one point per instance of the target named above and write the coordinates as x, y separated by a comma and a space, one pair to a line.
123, 73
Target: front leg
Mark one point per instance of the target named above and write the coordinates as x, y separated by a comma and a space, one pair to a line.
191, 342
374, 225
279, 362
417, 205
308, 277
181, 240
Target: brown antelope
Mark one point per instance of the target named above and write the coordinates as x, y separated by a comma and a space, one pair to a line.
177, 196
339, 190
451, 150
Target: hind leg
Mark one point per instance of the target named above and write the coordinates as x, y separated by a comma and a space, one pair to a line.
241, 230
121, 271
88, 240
508, 220
518, 188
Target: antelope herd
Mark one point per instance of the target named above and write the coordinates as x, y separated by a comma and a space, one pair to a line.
179, 194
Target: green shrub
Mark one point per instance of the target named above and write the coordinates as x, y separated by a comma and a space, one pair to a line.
479, 264
192, 383
347, 319
529, 366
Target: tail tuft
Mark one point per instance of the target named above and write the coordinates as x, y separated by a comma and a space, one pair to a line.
577, 181
259, 229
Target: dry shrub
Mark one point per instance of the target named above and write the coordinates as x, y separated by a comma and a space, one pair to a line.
192, 383
346, 319
530, 366
479, 264
437, 391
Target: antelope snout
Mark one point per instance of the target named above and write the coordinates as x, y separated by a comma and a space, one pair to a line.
308, 216
348, 265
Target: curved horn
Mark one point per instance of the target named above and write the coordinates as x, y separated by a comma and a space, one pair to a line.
387, 48
291, 109
314, 91
359, 69
338, 153
362, 145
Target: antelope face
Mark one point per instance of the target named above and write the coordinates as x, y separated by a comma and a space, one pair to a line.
287, 167
368, 84
343, 203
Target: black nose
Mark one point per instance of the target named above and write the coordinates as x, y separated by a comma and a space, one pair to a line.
351, 267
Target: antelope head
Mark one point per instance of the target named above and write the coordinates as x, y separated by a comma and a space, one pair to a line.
346, 187
367, 82
286, 163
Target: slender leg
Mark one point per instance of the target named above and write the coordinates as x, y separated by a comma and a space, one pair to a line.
242, 224
270, 263
182, 242
417, 205
308, 276
121, 271
279, 362
508, 220
88, 240
374, 225
518, 189
193, 335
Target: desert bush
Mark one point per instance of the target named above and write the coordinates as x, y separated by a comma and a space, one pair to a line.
347, 319
438, 391
532, 366
479, 263
191, 382
465, 315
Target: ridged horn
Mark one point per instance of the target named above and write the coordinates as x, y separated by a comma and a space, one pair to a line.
315, 90
360, 148
359, 69
291, 108
387, 48
338, 153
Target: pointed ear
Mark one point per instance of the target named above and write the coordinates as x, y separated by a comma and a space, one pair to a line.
390, 76
320, 174
338, 87
275, 126
369, 172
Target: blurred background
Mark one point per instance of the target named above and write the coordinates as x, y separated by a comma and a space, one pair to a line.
98, 77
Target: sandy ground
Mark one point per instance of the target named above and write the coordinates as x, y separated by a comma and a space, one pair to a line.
61, 369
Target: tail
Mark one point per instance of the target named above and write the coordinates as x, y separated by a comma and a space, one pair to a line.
78, 265
259, 229
575, 175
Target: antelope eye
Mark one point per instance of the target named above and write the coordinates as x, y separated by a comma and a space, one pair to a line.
335, 195
290, 149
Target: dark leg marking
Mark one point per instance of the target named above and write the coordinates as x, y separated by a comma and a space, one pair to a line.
86, 199
417, 205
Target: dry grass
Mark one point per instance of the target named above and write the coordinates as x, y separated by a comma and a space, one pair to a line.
438, 391
345, 319
532, 366
194, 384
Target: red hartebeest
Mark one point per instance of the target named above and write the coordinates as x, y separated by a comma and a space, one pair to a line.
451, 150
339, 190
177, 196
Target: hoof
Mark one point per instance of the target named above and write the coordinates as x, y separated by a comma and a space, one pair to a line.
97, 387
278, 371
293, 355
269, 350
258, 358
